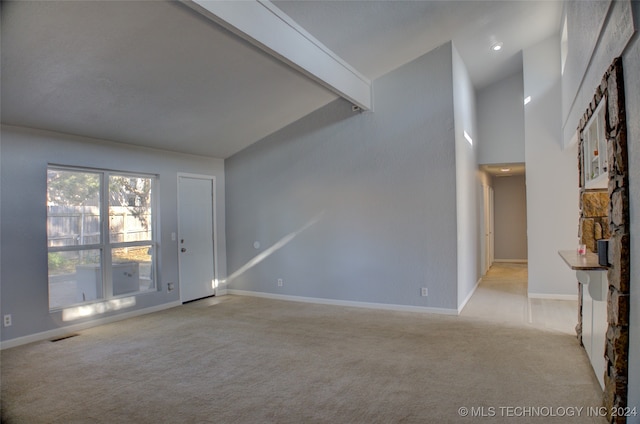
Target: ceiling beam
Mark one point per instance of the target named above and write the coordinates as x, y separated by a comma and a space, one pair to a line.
267, 27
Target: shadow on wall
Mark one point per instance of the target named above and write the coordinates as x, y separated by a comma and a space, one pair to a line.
325, 117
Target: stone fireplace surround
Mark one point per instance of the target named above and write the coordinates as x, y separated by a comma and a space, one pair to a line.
614, 226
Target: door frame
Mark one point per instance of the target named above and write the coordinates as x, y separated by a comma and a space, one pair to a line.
214, 217
492, 225
488, 226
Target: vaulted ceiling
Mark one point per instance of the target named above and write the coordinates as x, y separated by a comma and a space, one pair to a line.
160, 74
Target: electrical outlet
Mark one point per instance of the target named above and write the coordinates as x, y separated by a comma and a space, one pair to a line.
424, 292
280, 282
7, 320
169, 287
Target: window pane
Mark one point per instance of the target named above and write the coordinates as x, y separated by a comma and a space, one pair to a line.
73, 208
74, 277
78, 250
132, 269
129, 208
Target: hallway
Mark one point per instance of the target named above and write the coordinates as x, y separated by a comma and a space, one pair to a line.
502, 297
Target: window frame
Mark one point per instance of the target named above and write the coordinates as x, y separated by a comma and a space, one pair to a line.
105, 246
595, 139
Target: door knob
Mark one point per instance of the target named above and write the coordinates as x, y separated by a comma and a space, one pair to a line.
183, 250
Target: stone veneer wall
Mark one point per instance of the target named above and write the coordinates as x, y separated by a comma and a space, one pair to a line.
617, 341
594, 217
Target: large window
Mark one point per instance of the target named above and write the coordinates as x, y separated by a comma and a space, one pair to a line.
100, 232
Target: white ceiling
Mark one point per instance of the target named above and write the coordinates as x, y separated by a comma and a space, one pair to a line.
158, 74
378, 36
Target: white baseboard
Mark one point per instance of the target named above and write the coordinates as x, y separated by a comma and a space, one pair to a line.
551, 296
513, 261
335, 302
62, 331
464, 302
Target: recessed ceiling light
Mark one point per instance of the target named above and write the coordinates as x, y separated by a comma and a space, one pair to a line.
497, 46
505, 169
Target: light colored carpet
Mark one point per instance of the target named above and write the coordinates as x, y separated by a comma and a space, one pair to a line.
248, 360
502, 298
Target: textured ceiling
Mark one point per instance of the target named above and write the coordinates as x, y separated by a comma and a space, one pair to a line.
148, 73
158, 74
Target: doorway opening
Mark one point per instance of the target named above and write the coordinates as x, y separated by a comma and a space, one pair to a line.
505, 214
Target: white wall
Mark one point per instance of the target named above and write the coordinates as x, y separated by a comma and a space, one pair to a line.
552, 176
510, 210
360, 205
24, 158
501, 121
467, 213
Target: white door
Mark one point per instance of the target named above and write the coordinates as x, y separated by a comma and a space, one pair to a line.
196, 237
488, 226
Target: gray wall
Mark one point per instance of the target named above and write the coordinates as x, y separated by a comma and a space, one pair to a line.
25, 154
467, 181
361, 206
631, 64
510, 216
618, 35
501, 121
598, 31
